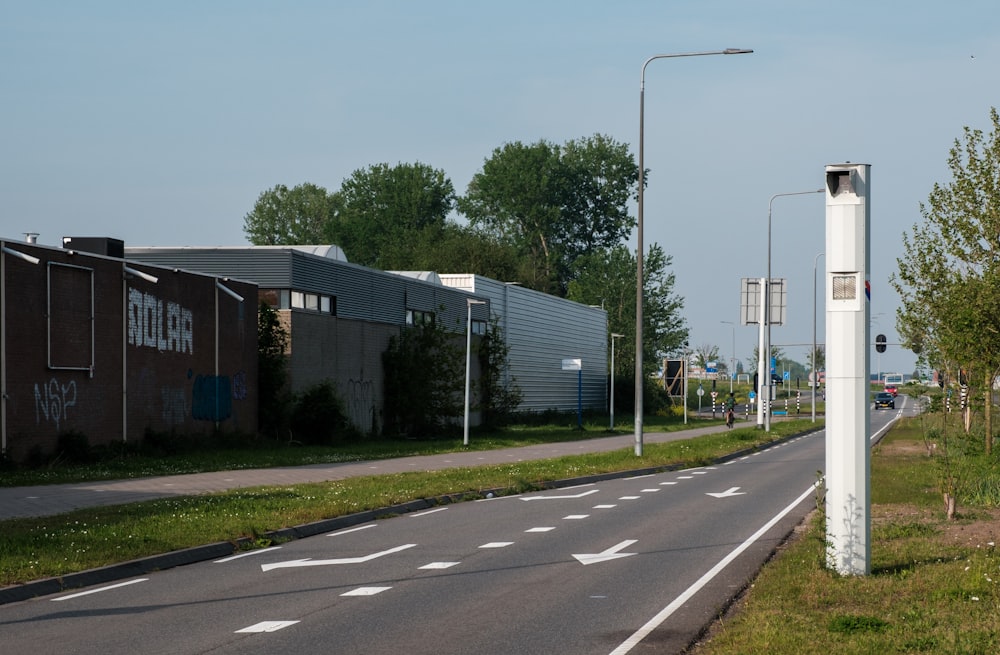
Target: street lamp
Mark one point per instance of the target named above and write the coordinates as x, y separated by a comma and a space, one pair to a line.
764, 361
639, 377
815, 374
732, 359
468, 364
611, 398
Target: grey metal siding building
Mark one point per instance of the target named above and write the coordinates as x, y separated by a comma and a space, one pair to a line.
542, 331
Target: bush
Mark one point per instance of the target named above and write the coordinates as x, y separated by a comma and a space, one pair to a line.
318, 416
74, 447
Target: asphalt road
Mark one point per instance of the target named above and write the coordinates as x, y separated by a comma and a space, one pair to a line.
637, 564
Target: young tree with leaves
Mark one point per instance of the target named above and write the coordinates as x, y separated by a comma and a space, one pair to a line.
949, 280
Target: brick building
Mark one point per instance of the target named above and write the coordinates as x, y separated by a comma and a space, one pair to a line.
94, 345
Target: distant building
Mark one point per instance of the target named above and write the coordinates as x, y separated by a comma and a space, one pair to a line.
542, 331
108, 349
340, 317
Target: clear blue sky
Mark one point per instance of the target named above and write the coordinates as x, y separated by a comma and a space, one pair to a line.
161, 123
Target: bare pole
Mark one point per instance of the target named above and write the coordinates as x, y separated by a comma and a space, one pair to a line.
639, 376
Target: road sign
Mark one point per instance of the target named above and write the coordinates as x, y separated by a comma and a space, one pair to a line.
715, 394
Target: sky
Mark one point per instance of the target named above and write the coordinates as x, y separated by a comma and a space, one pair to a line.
160, 123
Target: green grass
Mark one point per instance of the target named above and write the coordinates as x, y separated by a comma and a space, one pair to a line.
933, 587
44, 547
184, 456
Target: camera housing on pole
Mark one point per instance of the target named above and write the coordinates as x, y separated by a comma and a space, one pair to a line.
848, 455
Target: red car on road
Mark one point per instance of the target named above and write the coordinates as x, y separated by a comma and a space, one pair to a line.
891, 389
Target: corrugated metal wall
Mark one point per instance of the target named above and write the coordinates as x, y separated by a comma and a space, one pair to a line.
542, 331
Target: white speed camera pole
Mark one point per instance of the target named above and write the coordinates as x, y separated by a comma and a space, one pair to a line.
848, 460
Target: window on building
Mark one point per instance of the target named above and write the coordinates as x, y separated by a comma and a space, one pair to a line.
419, 317
479, 327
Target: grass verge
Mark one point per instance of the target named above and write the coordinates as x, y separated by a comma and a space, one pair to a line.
933, 587
36, 548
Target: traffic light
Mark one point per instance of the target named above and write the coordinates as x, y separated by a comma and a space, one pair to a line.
880, 343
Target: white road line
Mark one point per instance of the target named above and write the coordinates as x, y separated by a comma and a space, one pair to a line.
350, 530
97, 591
629, 497
575, 517
268, 626
540, 529
605, 506
366, 591
497, 544
246, 554
430, 511
688, 593
439, 565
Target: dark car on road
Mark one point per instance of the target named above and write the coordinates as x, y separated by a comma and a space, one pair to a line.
885, 399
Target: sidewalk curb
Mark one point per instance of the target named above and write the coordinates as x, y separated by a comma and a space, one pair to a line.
195, 554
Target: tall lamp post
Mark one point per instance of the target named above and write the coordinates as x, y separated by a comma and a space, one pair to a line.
468, 365
815, 373
764, 360
611, 396
639, 377
732, 358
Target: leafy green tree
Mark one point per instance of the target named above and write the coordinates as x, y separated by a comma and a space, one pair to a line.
554, 203
949, 280
272, 373
606, 277
383, 210
283, 216
500, 394
706, 353
424, 380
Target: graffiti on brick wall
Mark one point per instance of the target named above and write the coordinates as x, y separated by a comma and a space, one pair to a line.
53, 400
153, 323
212, 398
240, 385
175, 405
361, 403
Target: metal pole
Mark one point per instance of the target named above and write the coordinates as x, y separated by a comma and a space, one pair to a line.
767, 309
732, 358
639, 376
611, 399
468, 364
815, 373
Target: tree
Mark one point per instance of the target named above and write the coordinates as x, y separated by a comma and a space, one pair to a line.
949, 280
817, 359
272, 374
554, 203
606, 277
283, 216
424, 376
706, 353
383, 210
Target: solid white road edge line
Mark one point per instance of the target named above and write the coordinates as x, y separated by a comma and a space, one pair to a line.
94, 591
665, 613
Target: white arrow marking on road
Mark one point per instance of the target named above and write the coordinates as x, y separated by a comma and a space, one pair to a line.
326, 562
609, 554
580, 495
732, 491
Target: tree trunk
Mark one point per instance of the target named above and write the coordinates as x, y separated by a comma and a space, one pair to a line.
988, 414
949, 506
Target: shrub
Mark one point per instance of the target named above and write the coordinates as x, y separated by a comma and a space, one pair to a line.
319, 417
